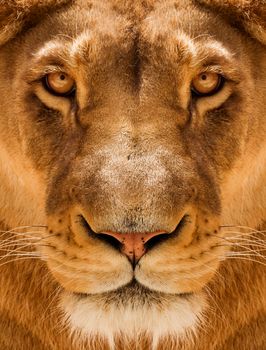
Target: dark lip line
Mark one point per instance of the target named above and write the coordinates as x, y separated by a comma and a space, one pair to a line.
131, 284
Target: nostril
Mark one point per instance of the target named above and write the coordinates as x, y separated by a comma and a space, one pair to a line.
156, 240
107, 238
110, 240
82, 221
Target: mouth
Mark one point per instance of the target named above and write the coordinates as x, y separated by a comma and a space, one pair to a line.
133, 289
102, 265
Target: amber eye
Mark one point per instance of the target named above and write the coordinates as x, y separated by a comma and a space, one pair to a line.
207, 84
60, 84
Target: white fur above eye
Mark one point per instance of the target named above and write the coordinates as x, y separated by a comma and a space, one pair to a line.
132, 315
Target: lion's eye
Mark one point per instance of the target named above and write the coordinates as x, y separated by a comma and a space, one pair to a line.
60, 84
207, 84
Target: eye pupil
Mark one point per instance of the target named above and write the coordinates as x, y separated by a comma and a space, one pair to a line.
62, 77
204, 77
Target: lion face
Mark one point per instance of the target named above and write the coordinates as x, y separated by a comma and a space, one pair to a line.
118, 129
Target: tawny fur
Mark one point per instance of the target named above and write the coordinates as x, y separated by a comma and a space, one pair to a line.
15, 15
250, 14
29, 314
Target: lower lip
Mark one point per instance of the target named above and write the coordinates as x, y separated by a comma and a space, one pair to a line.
133, 284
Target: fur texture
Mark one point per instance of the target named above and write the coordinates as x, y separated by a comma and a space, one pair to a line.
132, 150
20, 14
249, 14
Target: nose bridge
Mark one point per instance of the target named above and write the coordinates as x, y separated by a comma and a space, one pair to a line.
132, 179
136, 179
134, 187
133, 162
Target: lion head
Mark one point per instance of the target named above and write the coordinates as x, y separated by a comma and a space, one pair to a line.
134, 132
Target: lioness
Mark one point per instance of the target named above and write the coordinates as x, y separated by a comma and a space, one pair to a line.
132, 174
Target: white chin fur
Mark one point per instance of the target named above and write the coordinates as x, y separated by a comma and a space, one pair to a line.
128, 315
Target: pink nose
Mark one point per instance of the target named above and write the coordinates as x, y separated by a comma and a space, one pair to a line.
133, 243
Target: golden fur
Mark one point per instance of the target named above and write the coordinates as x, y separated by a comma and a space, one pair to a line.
132, 151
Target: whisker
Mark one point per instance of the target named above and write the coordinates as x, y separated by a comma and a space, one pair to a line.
3, 233
216, 307
245, 247
243, 234
17, 248
251, 229
245, 253
246, 242
245, 259
242, 239
15, 240
52, 298
22, 258
239, 254
25, 227
21, 254
18, 236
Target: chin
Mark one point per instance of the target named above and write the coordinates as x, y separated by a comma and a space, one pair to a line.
132, 312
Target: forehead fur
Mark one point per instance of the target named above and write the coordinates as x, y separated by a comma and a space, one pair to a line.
15, 15
248, 14
18, 14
